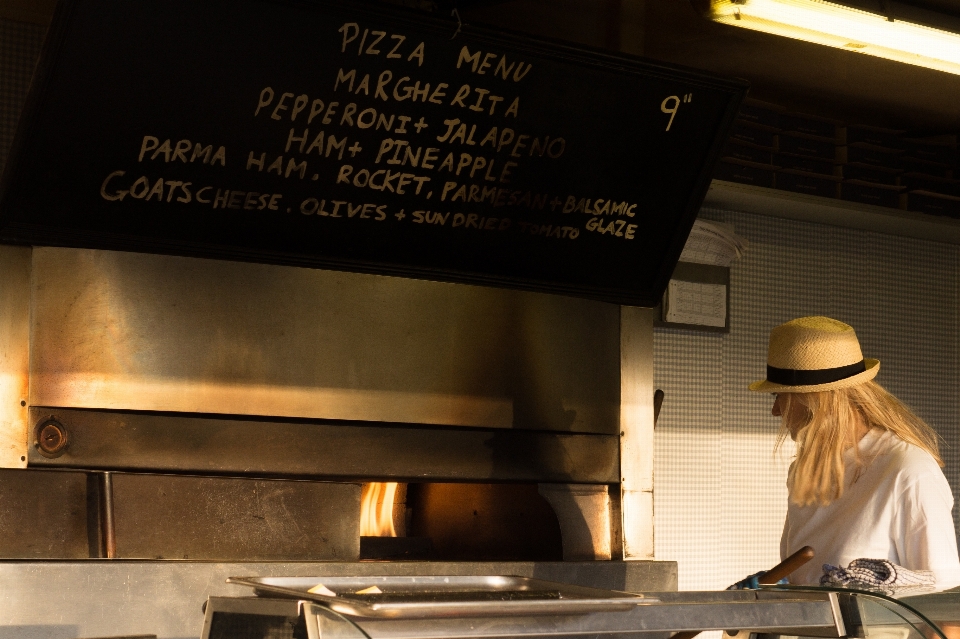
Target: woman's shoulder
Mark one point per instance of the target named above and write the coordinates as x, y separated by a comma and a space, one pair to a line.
887, 450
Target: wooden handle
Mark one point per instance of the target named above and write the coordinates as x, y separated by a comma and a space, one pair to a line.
657, 404
787, 566
772, 576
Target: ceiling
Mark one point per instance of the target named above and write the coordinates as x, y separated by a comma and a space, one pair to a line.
804, 77
36, 11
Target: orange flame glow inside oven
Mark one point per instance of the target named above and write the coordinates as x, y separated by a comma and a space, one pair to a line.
376, 509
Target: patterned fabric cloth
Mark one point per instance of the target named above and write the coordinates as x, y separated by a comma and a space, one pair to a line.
877, 574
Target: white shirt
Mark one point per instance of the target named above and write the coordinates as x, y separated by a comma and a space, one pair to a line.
899, 508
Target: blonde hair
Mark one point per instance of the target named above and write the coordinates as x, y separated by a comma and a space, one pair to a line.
830, 423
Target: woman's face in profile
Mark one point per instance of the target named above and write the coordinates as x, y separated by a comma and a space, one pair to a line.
793, 418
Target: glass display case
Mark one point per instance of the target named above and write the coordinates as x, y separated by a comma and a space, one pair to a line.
907, 614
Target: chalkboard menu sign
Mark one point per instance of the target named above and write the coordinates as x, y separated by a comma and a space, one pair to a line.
362, 137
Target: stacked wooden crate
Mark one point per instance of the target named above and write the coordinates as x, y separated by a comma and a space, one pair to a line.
774, 148
807, 156
928, 177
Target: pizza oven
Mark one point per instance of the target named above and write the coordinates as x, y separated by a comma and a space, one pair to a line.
183, 408
204, 411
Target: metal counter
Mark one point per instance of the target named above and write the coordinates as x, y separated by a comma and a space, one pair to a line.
815, 614
769, 613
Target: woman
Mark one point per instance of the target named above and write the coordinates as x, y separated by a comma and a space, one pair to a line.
866, 481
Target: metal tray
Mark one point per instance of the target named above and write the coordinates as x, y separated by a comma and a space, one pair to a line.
424, 597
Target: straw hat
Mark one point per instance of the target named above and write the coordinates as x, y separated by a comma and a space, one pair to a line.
814, 354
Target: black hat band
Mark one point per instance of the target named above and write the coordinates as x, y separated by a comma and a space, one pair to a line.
793, 377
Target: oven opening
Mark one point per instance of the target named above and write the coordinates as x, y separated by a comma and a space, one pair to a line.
383, 510
457, 522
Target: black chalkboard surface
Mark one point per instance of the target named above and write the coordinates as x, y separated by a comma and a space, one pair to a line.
366, 138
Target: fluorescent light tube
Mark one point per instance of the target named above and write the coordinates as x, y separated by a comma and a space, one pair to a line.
843, 27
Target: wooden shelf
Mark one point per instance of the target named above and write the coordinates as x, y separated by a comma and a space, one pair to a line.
810, 208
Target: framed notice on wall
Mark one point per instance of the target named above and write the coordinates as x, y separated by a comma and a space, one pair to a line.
357, 137
697, 297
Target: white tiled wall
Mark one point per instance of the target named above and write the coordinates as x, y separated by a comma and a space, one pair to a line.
720, 497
